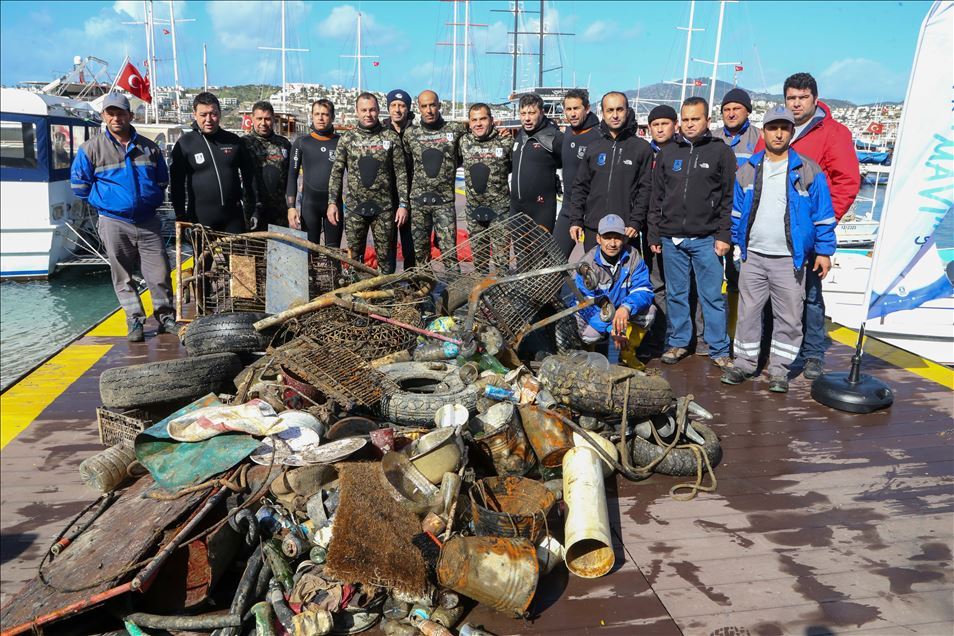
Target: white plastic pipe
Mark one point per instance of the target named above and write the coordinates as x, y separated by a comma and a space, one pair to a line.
589, 546
605, 444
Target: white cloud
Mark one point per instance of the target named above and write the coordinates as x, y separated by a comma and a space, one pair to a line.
342, 22
862, 81
597, 31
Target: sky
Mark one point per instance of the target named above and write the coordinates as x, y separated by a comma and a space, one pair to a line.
861, 52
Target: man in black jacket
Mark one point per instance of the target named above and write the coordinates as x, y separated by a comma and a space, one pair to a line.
690, 223
212, 173
536, 159
583, 129
399, 120
615, 176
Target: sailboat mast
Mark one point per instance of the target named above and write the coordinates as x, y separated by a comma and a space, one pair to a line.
358, 55
205, 67
175, 61
466, 46
454, 67
715, 62
283, 57
685, 65
540, 57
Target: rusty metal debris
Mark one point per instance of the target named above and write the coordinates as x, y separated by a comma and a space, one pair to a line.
415, 458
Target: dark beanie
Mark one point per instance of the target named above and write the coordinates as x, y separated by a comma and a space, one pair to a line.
662, 112
398, 94
738, 96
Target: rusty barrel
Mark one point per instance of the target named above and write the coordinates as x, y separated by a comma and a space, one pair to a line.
549, 437
500, 573
504, 442
510, 507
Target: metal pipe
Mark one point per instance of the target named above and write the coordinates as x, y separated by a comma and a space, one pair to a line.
63, 612
589, 545
141, 581
203, 621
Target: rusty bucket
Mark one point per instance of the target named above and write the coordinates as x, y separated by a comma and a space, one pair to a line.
510, 507
549, 437
501, 573
503, 441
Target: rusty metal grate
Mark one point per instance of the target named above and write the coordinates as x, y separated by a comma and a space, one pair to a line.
230, 271
369, 338
517, 245
336, 371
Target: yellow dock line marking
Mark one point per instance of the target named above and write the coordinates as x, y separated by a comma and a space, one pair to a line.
25, 400
893, 355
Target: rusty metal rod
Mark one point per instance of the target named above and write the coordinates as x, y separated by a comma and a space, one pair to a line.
63, 612
145, 575
417, 330
569, 311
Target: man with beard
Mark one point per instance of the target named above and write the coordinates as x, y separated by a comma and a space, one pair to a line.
486, 158
372, 156
313, 155
583, 129
536, 159
399, 120
433, 147
270, 152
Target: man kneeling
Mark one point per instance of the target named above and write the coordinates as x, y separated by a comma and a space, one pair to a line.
782, 214
622, 282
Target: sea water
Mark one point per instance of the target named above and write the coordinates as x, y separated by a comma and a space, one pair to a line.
38, 317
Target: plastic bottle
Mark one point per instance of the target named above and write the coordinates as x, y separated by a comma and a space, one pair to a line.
106, 470
497, 393
436, 350
470, 630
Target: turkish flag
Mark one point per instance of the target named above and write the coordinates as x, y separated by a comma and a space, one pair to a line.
166, 31
247, 123
875, 128
697, 83
739, 67
130, 79
375, 63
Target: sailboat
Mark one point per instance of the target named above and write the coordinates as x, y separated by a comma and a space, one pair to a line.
903, 293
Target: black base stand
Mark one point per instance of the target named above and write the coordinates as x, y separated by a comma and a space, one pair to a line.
854, 391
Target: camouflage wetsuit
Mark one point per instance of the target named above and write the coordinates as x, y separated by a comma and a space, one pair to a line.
486, 164
374, 162
434, 152
270, 157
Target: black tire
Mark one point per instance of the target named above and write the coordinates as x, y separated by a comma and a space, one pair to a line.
680, 462
232, 332
601, 392
167, 381
416, 408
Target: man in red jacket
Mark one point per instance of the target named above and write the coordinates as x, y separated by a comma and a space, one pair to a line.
820, 138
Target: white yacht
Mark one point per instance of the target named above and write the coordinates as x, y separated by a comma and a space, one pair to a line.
43, 226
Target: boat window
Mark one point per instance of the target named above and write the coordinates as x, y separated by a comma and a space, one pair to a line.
78, 137
61, 146
17, 144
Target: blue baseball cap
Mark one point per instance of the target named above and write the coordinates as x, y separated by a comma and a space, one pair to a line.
118, 100
611, 224
399, 95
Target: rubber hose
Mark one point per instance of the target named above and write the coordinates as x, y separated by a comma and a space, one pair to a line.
249, 577
247, 518
261, 586
276, 598
204, 621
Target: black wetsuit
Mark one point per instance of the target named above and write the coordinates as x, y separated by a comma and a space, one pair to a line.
534, 184
403, 234
313, 155
575, 141
209, 178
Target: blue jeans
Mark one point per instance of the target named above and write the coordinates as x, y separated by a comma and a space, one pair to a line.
813, 322
698, 256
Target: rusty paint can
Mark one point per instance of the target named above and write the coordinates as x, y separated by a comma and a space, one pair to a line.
549, 437
510, 507
500, 573
503, 443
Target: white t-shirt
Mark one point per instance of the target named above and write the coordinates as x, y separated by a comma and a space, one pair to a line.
768, 230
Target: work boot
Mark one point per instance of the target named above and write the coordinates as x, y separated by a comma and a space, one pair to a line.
168, 325
723, 362
778, 385
813, 368
734, 375
627, 352
674, 355
136, 333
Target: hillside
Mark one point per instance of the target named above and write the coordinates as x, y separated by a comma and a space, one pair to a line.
661, 91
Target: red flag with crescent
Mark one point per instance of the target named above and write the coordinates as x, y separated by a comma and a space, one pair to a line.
132, 80
697, 83
247, 123
739, 68
875, 128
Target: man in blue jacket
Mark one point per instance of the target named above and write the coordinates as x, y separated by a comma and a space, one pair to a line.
782, 214
124, 176
622, 288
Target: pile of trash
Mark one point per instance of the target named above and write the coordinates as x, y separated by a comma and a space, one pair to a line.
391, 453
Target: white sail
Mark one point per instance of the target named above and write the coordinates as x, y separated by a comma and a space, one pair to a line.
907, 271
